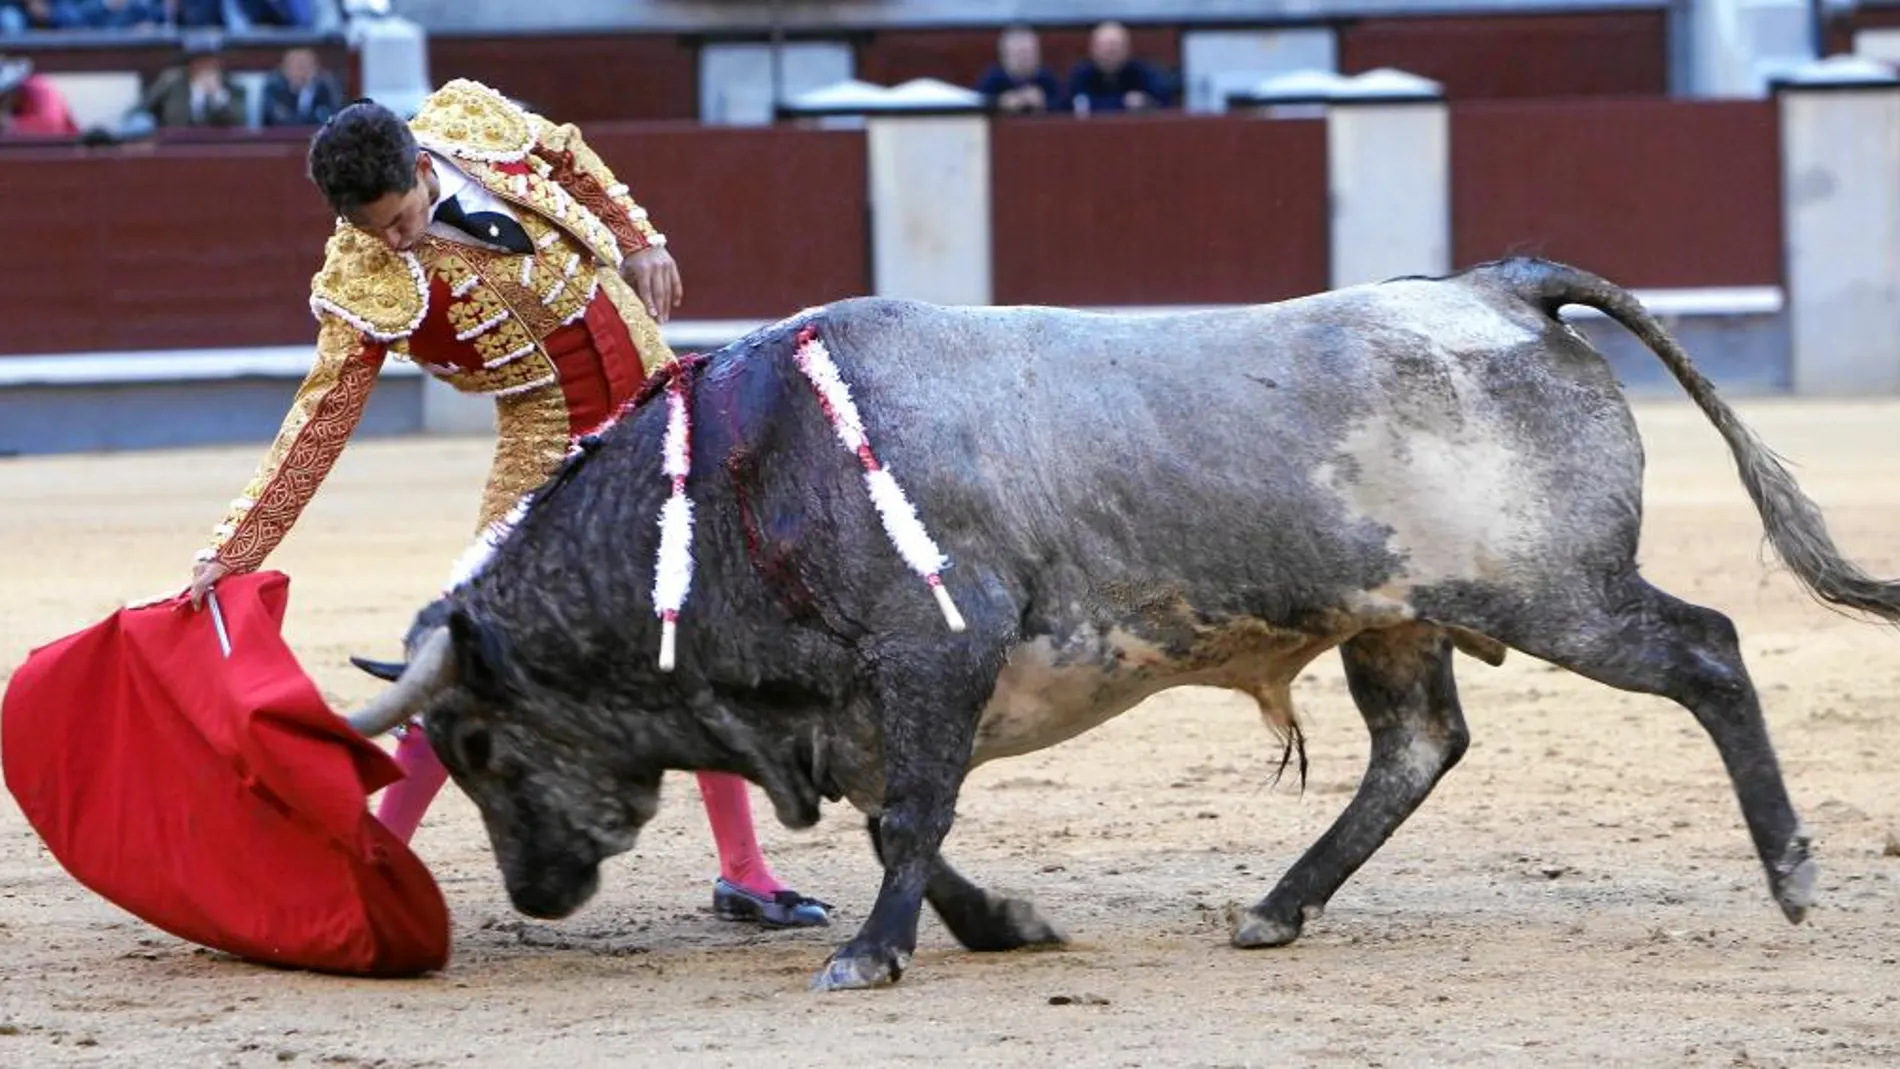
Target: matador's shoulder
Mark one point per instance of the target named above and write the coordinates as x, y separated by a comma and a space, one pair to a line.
379, 291
468, 119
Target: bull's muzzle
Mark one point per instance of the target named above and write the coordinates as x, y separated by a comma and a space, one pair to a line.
426, 674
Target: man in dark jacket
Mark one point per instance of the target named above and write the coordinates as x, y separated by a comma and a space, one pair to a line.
300, 92
1110, 79
1019, 82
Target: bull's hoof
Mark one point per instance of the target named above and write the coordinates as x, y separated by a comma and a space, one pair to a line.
1793, 881
1004, 924
857, 972
1255, 928
1029, 926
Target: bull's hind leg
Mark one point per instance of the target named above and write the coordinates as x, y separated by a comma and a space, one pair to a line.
1631, 636
979, 919
1401, 680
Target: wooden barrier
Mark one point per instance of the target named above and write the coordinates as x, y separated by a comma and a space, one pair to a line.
1145, 210
212, 243
1653, 193
579, 77
209, 238
763, 220
157, 247
1477, 57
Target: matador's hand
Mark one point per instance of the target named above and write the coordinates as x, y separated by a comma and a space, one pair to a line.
656, 280
203, 578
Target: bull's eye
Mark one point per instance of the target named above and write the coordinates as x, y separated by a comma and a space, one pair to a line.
477, 749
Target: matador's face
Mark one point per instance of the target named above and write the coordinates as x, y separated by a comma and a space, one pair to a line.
399, 219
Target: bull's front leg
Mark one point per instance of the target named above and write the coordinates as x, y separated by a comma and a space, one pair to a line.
927, 705
981, 920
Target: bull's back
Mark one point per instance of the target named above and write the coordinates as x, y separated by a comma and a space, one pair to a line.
1287, 451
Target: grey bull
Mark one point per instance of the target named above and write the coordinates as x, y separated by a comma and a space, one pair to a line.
1129, 504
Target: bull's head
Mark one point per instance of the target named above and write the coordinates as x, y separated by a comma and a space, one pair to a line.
556, 795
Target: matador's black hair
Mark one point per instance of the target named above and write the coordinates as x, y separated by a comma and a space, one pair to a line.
363, 153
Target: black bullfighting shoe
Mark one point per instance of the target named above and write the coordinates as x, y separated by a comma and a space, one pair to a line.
780, 909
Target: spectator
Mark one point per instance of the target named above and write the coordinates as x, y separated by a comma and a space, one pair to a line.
18, 16
198, 14
1110, 79
121, 14
30, 104
300, 92
199, 93
242, 15
1019, 82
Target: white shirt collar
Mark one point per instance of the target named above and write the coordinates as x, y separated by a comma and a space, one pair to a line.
449, 180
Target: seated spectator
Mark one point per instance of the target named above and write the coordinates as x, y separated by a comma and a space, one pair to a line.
19, 16
30, 104
199, 93
1019, 82
300, 92
1112, 80
121, 14
242, 15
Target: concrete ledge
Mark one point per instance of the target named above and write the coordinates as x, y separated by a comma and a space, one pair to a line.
270, 361
1709, 301
93, 402
292, 361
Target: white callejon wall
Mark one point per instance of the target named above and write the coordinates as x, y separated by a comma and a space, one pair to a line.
930, 220
1389, 183
1840, 171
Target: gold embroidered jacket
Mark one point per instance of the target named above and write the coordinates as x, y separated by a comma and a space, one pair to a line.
472, 317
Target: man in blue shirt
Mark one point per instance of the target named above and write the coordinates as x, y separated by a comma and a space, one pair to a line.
1019, 82
1112, 80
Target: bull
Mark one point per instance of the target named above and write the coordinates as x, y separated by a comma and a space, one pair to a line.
1397, 470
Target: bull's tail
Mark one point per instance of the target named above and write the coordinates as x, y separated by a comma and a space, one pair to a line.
1792, 522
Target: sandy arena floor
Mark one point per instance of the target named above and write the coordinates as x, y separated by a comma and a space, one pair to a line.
1581, 889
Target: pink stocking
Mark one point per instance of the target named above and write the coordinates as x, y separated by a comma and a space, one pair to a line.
729, 809
407, 799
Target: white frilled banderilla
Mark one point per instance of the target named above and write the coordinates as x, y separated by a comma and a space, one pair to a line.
673, 574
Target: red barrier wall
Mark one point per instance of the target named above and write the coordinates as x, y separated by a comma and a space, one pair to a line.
1659, 193
1609, 53
212, 241
579, 78
1158, 210
200, 245
190, 245
764, 221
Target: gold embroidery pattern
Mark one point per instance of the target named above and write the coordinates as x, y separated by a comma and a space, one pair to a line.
574, 164
467, 119
531, 440
645, 332
515, 301
547, 199
326, 411
375, 289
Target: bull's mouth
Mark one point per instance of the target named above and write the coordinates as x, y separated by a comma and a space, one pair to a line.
554, 892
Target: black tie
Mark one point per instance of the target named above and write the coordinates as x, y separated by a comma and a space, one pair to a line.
488, 226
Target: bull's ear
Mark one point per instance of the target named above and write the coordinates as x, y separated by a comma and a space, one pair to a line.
481, 658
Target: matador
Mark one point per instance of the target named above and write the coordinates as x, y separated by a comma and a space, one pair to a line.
487, 245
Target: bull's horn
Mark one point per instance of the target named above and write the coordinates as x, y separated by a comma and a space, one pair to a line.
389, 671
431, 669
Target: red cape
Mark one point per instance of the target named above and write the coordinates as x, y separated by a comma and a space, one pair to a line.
217, 798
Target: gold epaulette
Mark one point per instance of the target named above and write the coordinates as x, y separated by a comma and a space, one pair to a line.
468, 119
377, 290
